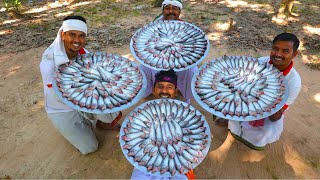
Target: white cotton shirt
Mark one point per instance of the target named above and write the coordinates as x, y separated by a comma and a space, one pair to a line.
52, 103
270, 131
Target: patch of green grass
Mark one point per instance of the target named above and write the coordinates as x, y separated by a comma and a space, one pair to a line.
98, 20
34, 26
188, 8
135, 12
105, 13
306, 11
206, 21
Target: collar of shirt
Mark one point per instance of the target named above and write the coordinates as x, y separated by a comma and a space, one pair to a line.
82, 51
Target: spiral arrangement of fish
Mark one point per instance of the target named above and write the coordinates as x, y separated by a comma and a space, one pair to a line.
164, 45
165, 137
240, 88
99, 82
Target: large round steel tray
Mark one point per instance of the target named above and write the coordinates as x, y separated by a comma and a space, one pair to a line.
131, 121
203, 73
120, 77
164, 45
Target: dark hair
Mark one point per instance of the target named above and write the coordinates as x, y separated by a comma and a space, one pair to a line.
75, 17
288, 37
159, 77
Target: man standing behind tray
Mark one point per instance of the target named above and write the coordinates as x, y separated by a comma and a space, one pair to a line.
257, 134
171, 10
74, 125
165, 86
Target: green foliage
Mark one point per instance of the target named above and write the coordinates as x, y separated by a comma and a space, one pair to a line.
136, 12
188, 8
15, 4
34, 26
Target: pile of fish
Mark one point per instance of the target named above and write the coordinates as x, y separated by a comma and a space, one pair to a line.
99, 81
240, 86
165, 137
169, 45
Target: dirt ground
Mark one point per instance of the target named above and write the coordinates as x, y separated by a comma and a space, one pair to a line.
30, 147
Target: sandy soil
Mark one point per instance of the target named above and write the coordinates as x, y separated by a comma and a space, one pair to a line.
32, 148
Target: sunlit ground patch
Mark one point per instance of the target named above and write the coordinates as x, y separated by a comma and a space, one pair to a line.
311, 30
6, 31
317, 97
9, 21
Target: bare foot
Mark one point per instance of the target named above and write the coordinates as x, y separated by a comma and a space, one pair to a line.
221, 153
253, 156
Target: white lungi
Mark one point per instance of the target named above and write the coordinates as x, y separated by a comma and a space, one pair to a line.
270, 131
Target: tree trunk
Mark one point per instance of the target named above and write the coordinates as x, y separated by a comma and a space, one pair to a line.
288, 4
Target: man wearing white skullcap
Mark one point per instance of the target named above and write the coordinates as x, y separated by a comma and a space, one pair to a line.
171, 10
74, 125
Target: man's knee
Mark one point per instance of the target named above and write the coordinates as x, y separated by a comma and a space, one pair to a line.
90, 148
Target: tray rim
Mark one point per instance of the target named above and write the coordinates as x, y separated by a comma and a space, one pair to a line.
175, 69
235, 118
135, 100
166, 174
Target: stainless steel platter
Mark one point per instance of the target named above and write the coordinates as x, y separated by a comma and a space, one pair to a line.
164, 45
99, 83
165, 137
239, 88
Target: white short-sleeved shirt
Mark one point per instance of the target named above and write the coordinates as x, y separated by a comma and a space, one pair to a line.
270, 131
52, 103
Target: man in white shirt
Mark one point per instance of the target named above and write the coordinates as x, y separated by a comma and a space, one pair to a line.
257, 134
74, 125
171, 10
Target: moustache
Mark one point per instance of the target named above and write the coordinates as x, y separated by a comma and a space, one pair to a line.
273, 57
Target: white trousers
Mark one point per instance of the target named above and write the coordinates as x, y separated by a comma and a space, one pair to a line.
77, 126
258, 136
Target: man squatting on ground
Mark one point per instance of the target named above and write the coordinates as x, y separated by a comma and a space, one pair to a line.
171, 10
74, 125
256, 134
165, 85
